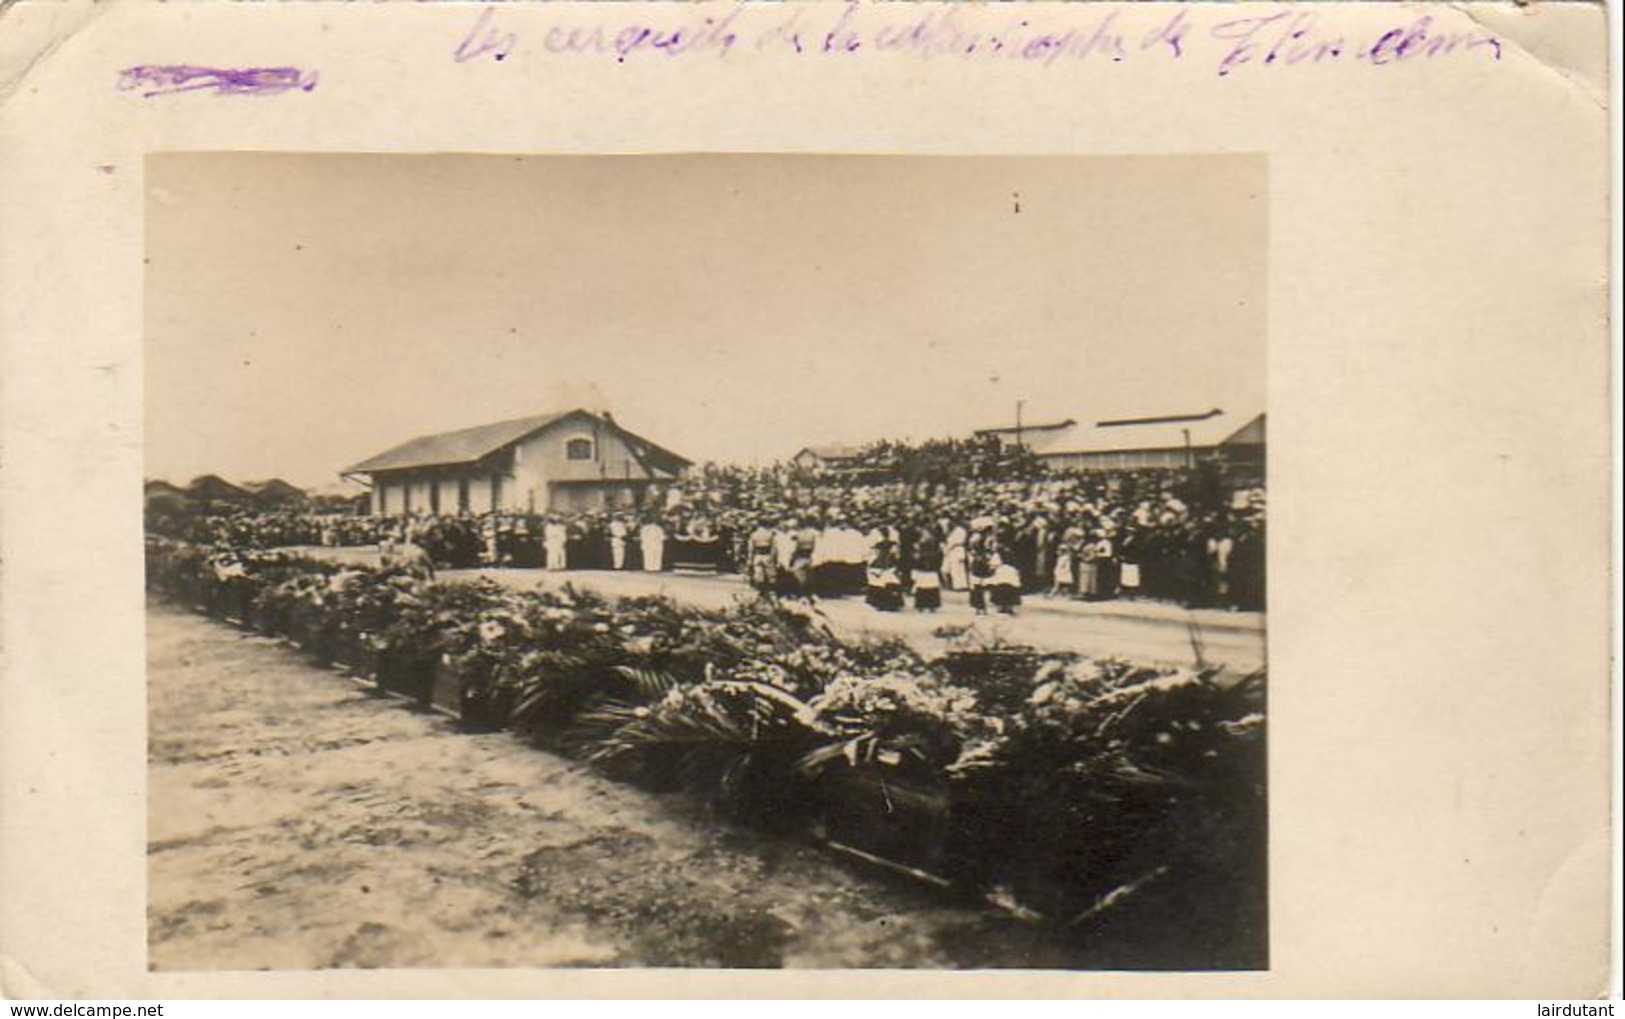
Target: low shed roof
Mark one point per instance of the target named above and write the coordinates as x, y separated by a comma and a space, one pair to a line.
833, 451
1136, 434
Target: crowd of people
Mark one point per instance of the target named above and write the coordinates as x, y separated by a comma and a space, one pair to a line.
1192, 536
240, 527
934, 461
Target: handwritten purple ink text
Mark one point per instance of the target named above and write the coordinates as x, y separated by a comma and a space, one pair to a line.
484, 40
1286, 39
167, 79
856, 30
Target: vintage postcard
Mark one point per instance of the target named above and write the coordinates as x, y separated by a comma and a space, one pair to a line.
806, 500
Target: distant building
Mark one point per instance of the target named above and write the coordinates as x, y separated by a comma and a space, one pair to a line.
1137, 443
569, 461
212, 488
827, 458
276, 492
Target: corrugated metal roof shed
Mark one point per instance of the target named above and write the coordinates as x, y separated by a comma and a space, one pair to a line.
1132, 434
1043, 426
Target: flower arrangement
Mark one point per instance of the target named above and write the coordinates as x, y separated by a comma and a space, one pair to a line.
1062, 786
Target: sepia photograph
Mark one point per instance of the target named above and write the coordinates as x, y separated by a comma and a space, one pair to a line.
718, 561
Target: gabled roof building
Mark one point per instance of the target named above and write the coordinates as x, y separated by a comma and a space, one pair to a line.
568, 461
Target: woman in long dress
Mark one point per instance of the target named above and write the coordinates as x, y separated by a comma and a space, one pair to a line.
555, 536
884, 587
1004, 585
955, 560
1069, 552
1089, 570
617, 543
652, 539
982, 565
925, 572
1128, 567
1042, 535
1105, 560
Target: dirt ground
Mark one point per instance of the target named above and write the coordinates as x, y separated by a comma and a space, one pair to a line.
298, 820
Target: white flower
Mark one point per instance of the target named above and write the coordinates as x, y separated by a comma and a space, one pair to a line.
1050, 670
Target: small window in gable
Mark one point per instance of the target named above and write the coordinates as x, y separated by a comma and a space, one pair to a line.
578, 449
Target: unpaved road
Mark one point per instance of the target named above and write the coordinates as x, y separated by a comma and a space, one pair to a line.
298, 821
1143, 631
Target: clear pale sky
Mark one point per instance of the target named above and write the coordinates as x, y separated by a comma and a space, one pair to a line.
306, 311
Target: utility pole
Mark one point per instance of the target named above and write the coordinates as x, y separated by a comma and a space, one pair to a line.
1019, 404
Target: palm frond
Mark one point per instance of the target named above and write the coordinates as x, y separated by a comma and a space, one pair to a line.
646, 684
814, 761
1118, 895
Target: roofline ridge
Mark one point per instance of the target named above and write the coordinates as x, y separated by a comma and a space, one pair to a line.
535, 423
1161, 419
